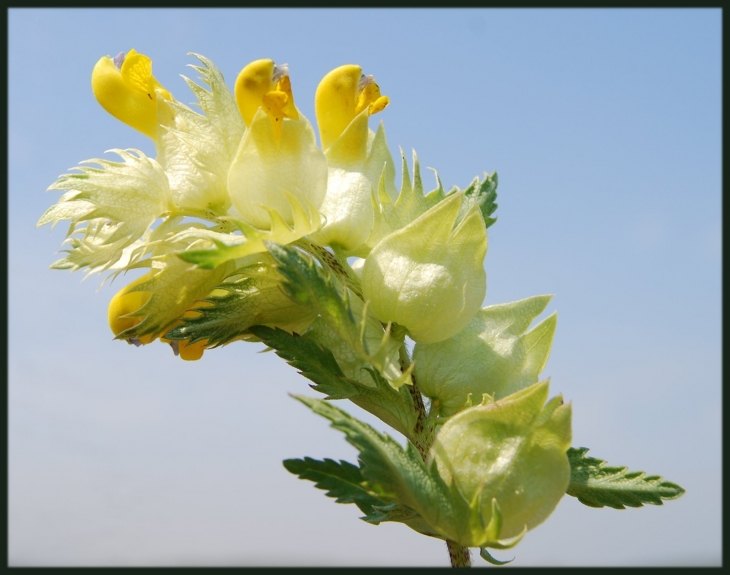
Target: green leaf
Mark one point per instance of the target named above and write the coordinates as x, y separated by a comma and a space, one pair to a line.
394, 474
597, 484
175, 287
483, 194
342, 481
396, 513
416, 493
313, 362
308, 284
393, 407
317, 364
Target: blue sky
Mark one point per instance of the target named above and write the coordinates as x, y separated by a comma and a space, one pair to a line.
604, 127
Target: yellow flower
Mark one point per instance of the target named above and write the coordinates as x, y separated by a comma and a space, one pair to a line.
263, 84
356, 157
122, 308
125, 87
343, 94
122, 311
153, 304
186, 350
278, 161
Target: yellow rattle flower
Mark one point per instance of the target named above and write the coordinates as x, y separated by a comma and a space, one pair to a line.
121, 307
122, 316
342, 95
125, 87
263, 84
278, 163
356, 157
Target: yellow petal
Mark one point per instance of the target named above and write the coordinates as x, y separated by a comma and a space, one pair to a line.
263, 84
252, 84
191, 351
125, 303
335, 102
129, 91
341, 95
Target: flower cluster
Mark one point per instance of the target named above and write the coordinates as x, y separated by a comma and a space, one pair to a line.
242, 220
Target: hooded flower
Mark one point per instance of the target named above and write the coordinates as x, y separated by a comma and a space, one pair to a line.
151, 305
357, 158
278, 162
125, 87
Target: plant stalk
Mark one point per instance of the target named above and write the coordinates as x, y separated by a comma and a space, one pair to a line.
458, 554
422, 438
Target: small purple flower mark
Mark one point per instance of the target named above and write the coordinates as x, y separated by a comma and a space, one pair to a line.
118, 60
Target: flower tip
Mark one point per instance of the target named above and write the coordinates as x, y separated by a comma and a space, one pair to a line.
119, 60
192, 351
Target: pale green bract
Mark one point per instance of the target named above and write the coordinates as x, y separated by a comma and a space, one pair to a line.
429, 276
249, 234
514, 451
118, 202
265, 173
493, 354
250, 297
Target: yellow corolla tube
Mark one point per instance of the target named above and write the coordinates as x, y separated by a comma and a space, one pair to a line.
125, 87
341, 95
263, 84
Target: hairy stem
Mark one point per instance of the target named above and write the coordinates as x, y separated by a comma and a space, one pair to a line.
423, 435
458, 554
